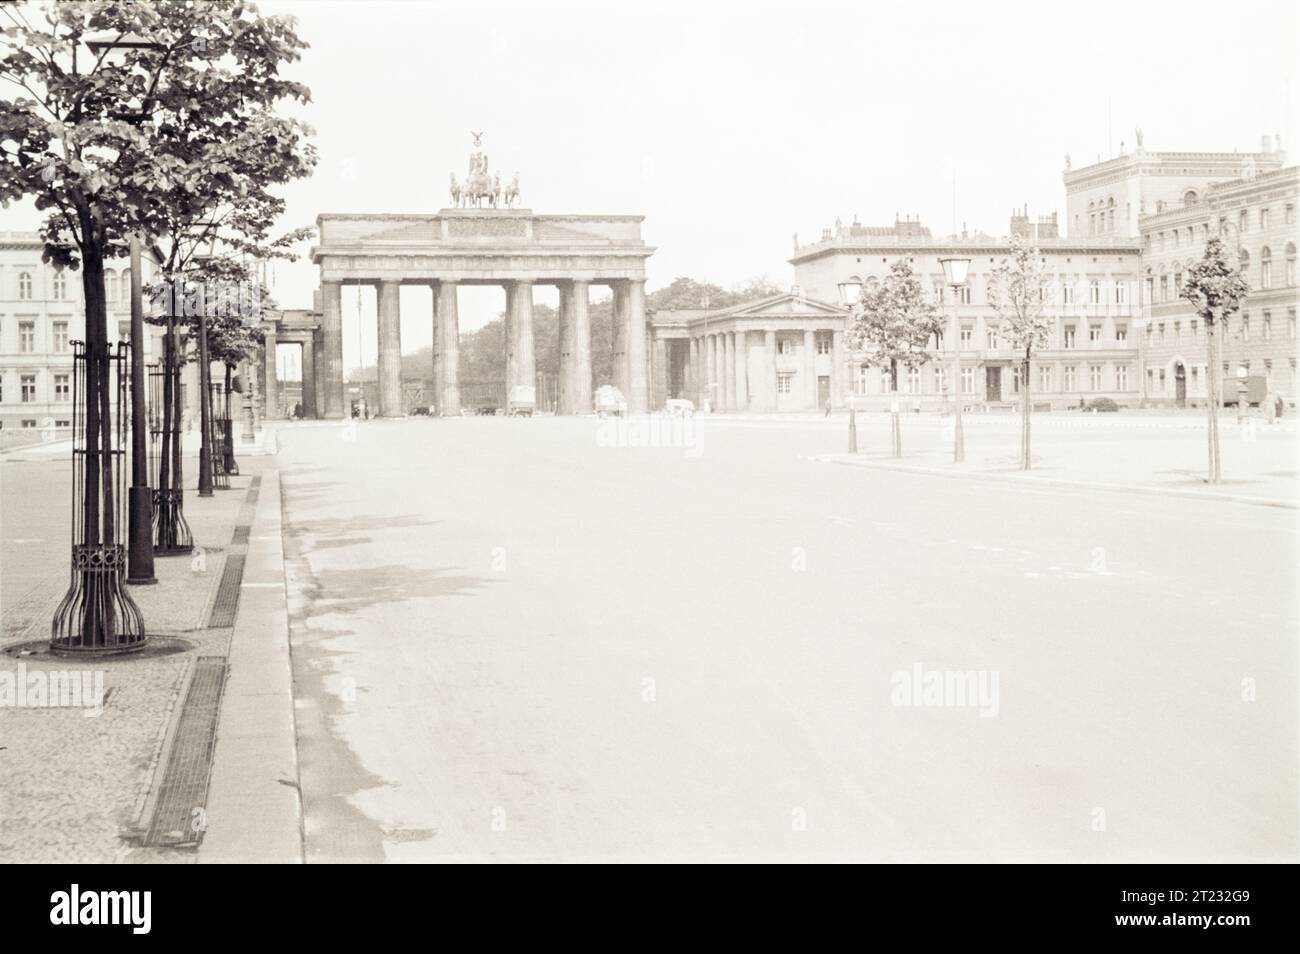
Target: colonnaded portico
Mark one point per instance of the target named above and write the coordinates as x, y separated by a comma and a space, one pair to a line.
513, 248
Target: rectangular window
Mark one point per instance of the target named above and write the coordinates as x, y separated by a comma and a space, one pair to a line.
1151, 290
1161, 331
1121, 292
1121, 334
1243, 221
913, 380
860, 380
1067, 292
1044, 377
1121, 377
1094, 292
1266, 274
966, 333
783, 383
784, 346
26, 337
886, 382
1164, 287
1196, 330
62, 389
967, 380
1094, 377
1263, 218
1068, 340
1268, 326
1178, 331
940, 378
1069, 377
1245, 327
1015, 378
823, 344
1094, 333
992, 334
963, 294
28, 388
60, 337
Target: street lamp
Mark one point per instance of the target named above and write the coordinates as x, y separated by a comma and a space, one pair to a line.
850, 293
955, 271
140, 565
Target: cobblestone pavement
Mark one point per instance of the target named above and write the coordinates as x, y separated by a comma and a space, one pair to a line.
73, 784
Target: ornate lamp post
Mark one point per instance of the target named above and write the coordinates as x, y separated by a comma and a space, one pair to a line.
955, 271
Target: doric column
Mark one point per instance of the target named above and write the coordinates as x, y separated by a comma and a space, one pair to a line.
435, 396
310, 408
565, 404
710, 370
720, 373
522, 326
692, 370
390, 350
332, 359
618, 303
810, 367
449, 359
768, 386
659, 361
511, 345
729, 370
637, 398
270, 379
742, 371
581, 312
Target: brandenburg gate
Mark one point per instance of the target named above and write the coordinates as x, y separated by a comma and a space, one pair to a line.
484, 240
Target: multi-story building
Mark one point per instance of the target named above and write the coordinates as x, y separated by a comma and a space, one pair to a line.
1255, 216
1109, 197
1091, 352
41, 312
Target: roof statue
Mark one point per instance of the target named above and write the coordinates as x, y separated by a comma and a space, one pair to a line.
482, 188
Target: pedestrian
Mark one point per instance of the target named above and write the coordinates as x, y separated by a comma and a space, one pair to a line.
828, 407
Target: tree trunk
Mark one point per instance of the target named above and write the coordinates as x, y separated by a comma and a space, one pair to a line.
1213, 382
1027, 409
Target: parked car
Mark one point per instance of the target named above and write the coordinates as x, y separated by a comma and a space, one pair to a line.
609, 401
679, 407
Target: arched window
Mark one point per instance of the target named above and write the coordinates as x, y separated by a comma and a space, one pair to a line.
1290, 264
25, 285
1243, 265
1265, 268
110, 285
1190, 197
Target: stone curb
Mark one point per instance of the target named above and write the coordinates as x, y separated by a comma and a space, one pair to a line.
1057, 482
254, 805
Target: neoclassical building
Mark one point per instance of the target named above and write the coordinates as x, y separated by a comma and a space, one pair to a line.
484, 240
1091, 352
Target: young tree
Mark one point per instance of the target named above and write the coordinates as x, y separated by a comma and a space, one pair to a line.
1018, 291
892, 325
107, 142
1215, 287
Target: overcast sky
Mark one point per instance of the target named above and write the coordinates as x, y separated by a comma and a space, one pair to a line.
732, 126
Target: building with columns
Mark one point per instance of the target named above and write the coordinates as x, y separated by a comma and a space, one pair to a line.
783, 353
484, 240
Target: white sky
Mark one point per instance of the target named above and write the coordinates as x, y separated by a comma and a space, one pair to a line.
732, 126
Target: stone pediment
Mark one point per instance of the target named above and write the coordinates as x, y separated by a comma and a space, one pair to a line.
783, 305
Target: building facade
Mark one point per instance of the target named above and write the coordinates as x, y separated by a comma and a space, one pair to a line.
1255, 217
1091, 352
42, 311
1109, 198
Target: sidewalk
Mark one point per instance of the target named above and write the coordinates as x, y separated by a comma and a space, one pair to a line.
77, 783
1135, 455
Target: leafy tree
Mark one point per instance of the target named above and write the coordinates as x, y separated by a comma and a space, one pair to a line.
1216, 288
892, 324
110, 143
1018, 292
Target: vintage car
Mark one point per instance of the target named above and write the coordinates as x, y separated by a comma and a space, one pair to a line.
609, 401
679, 407
522, 402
